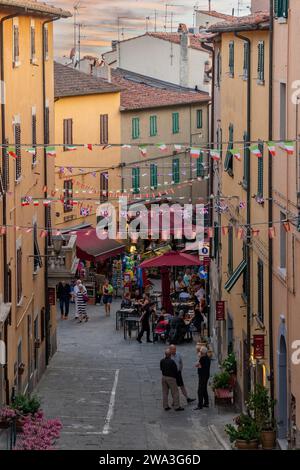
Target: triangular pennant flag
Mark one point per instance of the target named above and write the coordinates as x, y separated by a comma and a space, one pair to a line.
88, 146
255, 232
143, 150
236, 153
32, 151
288, 147
25, 202
46, 202
107, 146
126, 146
12, 152
210, 232
195, 152
162, 147
287, 226
255, 150
225, 231
2, 230
51, 151
69, 148
29, 230
35, 202
177, 147
240, 233
43, 233
271, 148
272, 232
215, 154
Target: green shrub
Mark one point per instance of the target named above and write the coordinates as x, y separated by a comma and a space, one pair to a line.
229, 364
245, 429
26, 404
221, 380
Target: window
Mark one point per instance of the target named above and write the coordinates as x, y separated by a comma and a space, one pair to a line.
228, 164
175, 171
231, 59
246, 61
104, 186
46, 43
47, 125
220, 141
216, 240
199, 119
260, 291
5, 167
33, 136
283, 240
175, 123
68, 195
153, 126
200, 166
245, 282
68, 132
219, 69
43, 323
230, 251
19, 274
37, 260
153, 176
103, 128
17, 132
36, 338
283, 106
32, 42
246, 161
281, 8
16, 43
260, 171
135, 128
261, 63
136, 180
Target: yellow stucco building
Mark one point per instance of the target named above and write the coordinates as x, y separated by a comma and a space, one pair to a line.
240, 267
87, 111
27, 325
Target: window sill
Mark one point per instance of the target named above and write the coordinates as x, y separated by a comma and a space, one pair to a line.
34, 61
18, 181
282, 20
260, 82
245, 78
282, 273
16, 64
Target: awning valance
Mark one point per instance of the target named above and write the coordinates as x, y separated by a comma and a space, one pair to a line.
235, 276
91, 248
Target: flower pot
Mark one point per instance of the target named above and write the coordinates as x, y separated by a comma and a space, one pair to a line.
268, 439
244, 445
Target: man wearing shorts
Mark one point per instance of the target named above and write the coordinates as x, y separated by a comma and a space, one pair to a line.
179, 363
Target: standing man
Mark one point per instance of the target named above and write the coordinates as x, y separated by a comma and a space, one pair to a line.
203, 374
63, 294
177, 358
169, 375
145, 319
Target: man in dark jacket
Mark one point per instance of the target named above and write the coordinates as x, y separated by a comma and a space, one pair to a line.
203, 375
169, 375
147, 310
63, 295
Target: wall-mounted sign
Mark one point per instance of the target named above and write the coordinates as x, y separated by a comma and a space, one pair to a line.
259, 346
220, 310
51, 295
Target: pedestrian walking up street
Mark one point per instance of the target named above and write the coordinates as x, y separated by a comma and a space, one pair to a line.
177, 358
203, 374
169, 384
81, 304
63, 295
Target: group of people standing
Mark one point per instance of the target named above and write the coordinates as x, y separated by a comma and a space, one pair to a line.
171, 368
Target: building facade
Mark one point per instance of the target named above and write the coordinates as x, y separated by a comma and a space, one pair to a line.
27, 323
87, 111
239, 271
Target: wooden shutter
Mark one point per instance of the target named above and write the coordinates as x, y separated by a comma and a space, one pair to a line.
47, 126
46, 43
228, 164
34, 140
260, 171
230, 251
19, 274
261, 61
175, 170
37, 260
246, 160
219, 69
104, 129
276, 8
200, 167
136, 180
260, 290
32, 43
104, 186
135, 128
68, 195
175, 123
231, 59
16, 40
68, 132
5, 167
153, 175
199, 119
246, 60
18, 151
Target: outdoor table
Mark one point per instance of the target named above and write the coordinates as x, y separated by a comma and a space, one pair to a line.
129, 324
122, 313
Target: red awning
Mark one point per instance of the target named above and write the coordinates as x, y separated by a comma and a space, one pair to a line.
173, 258
90, 248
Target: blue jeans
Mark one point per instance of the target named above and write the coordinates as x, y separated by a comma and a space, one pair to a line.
64, 306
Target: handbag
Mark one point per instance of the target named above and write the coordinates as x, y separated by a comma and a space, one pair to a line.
85, 298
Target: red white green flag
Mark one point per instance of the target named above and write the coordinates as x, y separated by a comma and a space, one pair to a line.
236, 153
70, 147
88, 146
36, 202
12, 152
271, 148
215, 154
162, 147
51, 151
272, 232
195, 152
288, 147
32, 151
143, 150
43, 233
255, 150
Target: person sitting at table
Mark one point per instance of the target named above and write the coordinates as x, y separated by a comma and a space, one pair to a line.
184, 295
179, 285
137, 295
161, 328
178, 328
126, 302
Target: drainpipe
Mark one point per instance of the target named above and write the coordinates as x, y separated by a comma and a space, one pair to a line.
270, 207
248, 258
4, 218
47, 309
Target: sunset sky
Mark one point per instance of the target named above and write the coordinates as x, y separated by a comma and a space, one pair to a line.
100, 20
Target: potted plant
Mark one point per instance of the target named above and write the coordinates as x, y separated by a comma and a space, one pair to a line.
260, 405
245, 433
229, 364
26, 404
221, 381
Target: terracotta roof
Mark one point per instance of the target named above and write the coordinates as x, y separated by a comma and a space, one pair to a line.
195, 39
140, 92
32, 6
259, 20
71, 82
216, 14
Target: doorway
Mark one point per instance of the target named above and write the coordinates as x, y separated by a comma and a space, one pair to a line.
282, 389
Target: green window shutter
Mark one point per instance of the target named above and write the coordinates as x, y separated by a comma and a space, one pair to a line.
230, 251
200, 166
136, 180
228, 164
216, 239
220, 141
153, 175
260, 171
246, 161
175, 123
261, 62
175, 171
276, 8
246, 60
135, 128
231, 59
199, 119
153, 126
260, 290
285, 8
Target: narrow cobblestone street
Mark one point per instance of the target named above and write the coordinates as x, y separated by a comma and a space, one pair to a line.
107, 392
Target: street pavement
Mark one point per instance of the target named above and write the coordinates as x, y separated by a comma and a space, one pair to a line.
107, 392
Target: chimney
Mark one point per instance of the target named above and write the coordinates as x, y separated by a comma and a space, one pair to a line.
259, 5
184, 55
103, 71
